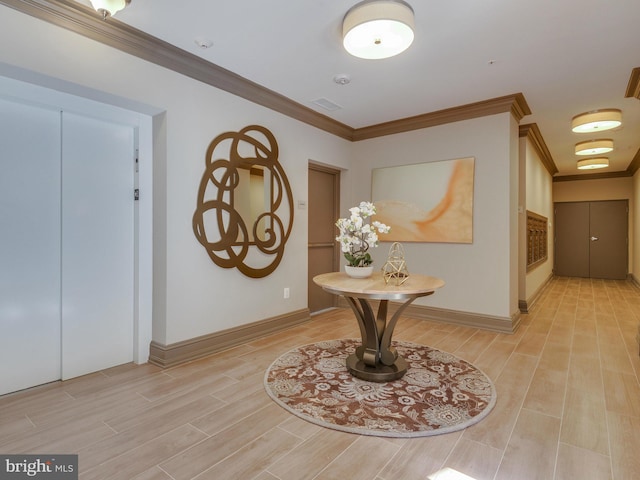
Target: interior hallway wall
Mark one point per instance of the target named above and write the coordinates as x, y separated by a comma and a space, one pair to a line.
538, 199
480, 277
192, 296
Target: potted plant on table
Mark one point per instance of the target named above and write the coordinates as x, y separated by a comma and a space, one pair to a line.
357, 236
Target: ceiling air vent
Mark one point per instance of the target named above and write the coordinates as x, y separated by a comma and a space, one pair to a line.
326, 104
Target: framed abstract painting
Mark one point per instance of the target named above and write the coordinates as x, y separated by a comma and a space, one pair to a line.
426, 202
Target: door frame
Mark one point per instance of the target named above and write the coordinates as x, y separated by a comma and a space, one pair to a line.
35, 89
337, 179
586, 232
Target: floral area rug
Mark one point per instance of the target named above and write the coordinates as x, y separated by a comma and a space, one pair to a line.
440, 393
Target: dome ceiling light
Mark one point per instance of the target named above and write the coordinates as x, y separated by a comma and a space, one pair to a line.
376, 29
108, 8
596, 121
594, 147
593, 163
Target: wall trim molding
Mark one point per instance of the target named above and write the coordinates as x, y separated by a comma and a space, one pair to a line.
633, 87
492, 323
594, 176
507, 325
631, 170
198, 347
532, 132
83, 20
514, 103
635, 164
524, 305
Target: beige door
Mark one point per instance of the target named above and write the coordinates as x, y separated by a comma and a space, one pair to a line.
323, 251
591, 239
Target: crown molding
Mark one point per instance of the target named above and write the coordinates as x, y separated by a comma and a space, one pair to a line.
631, 170
83, 20
634, 165
532, 133
592, 176
515, 104
633, 87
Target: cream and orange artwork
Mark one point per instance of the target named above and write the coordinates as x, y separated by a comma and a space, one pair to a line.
426, 202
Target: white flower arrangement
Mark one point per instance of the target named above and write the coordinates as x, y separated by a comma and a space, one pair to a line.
357, 236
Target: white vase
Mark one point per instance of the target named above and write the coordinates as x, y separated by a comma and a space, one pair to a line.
358, 272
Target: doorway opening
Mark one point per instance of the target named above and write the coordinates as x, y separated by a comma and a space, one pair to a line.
323, 252
54, 106
591, 239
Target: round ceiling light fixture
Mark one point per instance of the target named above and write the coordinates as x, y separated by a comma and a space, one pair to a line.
596, 121
594, 147
376, 29
593, 163
108, 8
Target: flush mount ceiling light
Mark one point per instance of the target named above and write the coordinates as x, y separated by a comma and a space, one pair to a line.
593, 163
376, 29
108, 8
596, 121
594, 147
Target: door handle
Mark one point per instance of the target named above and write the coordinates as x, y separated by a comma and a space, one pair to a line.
594, 239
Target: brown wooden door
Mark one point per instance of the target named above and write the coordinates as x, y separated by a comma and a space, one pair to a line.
591, 239
571, 250
323, 250
608, 253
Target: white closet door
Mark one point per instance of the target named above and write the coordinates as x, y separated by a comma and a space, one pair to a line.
29, 246
97, 245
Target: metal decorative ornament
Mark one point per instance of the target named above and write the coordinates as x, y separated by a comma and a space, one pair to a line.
244, 211
395, 269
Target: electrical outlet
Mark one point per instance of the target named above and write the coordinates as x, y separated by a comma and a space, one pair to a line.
286, 292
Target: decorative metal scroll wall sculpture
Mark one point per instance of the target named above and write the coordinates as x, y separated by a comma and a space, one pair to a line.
244, 213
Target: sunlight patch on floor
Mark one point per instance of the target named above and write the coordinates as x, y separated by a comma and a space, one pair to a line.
449, 474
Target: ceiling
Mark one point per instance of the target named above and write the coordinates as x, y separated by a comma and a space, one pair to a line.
566, 57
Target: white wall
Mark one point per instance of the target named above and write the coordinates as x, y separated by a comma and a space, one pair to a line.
539, 199
479, 276
606, 189
192, 296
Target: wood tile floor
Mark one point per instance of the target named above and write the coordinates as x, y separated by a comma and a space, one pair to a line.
568, 406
